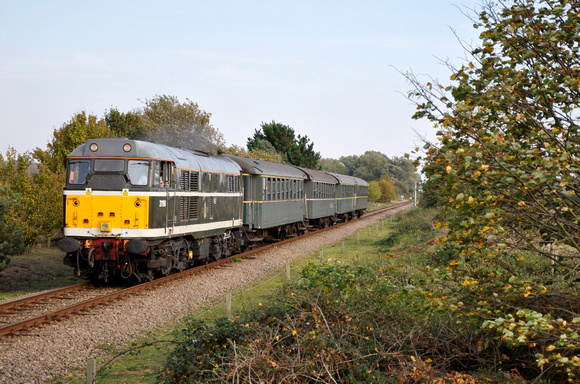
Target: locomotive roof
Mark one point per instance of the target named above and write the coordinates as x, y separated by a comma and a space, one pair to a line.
183, 158
267, 168
323, 177
349, 180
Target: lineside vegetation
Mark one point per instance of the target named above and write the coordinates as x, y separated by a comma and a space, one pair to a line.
505, 171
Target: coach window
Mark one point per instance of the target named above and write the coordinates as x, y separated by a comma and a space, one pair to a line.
138, 171
78, 171
283, 189
279, 189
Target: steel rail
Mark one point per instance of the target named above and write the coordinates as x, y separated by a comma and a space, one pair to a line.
83, 306
42, 296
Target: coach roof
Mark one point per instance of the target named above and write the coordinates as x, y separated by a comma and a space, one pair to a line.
267, 168
319, 176
349, 180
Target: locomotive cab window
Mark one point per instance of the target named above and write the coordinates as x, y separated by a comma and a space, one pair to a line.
162, 174
138, 171
78, 171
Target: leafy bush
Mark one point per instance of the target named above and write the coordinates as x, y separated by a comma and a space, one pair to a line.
505, 166
11, 235
348, 324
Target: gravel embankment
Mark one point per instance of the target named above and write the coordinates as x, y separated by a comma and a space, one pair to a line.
57, 348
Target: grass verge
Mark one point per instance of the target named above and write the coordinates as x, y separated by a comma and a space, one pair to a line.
37, 270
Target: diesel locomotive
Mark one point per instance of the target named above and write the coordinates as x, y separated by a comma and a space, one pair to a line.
139, 210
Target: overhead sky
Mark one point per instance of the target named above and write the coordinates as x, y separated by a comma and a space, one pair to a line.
328, 69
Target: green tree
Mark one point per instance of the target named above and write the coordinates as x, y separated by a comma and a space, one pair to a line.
507, 160
372, 166
351, 163
430, 197
402, 172
333, 165
387, 190
11, 234
168, 121
294, 150
39, 193
68, 137
258, 154
130, 124
374, 191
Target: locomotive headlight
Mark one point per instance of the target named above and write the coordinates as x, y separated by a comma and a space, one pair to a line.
127, 147
105, 227
94, 147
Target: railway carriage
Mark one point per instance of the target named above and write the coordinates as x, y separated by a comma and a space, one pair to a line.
361, 191
274, 204
321, 203
351, 196
140, 209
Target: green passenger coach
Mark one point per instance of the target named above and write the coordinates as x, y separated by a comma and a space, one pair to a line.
274, 198
351, 196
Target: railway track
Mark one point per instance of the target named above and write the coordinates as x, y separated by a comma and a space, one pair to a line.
20, 309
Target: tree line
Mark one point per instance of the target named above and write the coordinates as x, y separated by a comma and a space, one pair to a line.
389, 178
31, 183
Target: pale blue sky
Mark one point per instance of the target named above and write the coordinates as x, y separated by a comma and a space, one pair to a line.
323, 67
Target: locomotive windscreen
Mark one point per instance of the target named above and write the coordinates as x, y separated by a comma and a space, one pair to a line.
78, 171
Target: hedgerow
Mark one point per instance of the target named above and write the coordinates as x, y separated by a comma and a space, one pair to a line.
343, 323
505, 169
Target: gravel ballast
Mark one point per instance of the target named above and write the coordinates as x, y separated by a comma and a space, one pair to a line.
46, 352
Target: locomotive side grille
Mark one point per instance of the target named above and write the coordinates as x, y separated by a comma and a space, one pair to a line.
184, 208
185, 180
194, 182
193, 204
188, 208
233, 183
